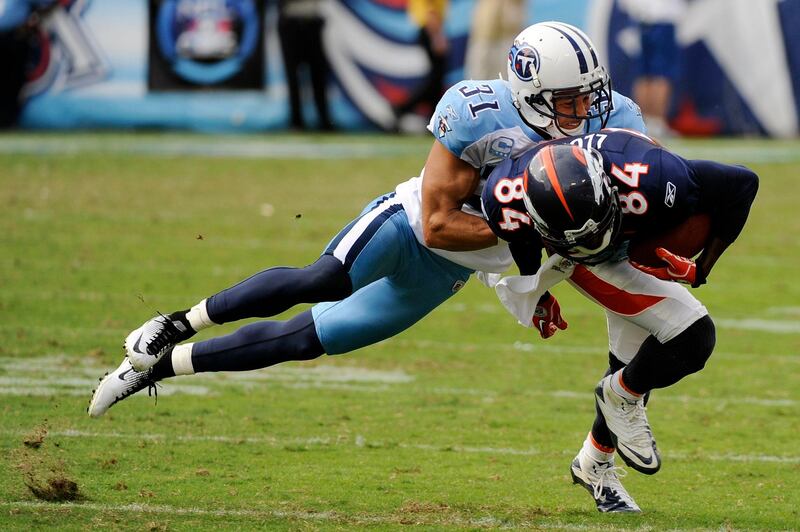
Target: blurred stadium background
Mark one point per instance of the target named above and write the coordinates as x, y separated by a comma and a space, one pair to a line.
118, 63
139, 178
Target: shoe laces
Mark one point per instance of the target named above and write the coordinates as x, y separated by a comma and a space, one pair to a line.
141, 382
165, 337
636, 415
634, 412
152, 389
608, 477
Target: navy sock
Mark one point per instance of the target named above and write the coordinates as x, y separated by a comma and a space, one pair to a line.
163, 368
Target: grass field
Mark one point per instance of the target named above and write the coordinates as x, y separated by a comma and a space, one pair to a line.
466, 421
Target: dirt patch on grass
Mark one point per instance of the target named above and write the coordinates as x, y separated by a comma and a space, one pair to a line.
57, 488
417, 507
43, 472
35, 439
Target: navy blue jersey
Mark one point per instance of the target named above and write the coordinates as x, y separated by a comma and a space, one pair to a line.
657, 189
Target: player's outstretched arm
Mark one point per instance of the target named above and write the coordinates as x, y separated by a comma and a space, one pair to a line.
448, 182
728, 191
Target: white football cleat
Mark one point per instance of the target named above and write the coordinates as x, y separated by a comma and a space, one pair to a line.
601, 479
146, 345
630, 431
116, 386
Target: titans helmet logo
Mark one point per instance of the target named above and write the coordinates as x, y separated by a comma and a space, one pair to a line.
525, 61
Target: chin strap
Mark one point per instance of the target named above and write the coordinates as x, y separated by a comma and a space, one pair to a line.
539, 131
542, 133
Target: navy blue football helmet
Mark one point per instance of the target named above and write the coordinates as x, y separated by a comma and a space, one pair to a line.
572, 203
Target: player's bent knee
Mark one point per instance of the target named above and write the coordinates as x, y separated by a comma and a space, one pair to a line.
706, 338
299, 336
614, 364
698, 342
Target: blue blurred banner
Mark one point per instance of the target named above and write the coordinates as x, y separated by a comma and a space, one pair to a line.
96, 56
739, 64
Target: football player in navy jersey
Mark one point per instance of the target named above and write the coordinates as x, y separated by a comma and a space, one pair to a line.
409, 250
582, 200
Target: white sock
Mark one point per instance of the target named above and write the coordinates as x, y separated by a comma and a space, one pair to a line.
182, 359
590, 447
618, 385
198, 317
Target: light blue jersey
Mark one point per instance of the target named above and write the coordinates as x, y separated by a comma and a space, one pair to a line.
478, 123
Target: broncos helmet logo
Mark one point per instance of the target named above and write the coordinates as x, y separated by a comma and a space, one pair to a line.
525, 60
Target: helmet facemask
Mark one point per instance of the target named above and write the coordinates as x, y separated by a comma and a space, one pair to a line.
546, 103
594, 242
591, 244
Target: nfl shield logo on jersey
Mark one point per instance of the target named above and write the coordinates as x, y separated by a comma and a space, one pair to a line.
443, 127
451, 112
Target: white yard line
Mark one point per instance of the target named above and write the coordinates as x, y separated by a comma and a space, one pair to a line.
771, 326
259, 147
791, 326
234, 146
783, 310
77, 376
361, 441
51, 391
30, 387
408, 519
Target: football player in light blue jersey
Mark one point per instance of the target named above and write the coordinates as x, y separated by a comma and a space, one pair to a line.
409, 250
556, 87
479, 122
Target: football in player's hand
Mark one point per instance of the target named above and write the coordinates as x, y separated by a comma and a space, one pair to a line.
686, 239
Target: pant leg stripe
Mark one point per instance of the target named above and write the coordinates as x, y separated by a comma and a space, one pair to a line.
336, 241
357, 237
368, 233
349, 227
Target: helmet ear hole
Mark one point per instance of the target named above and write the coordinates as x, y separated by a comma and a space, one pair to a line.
536, 99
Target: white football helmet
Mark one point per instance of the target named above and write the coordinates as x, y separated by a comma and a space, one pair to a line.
553, 60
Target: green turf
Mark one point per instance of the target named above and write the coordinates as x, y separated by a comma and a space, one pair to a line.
465, 421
